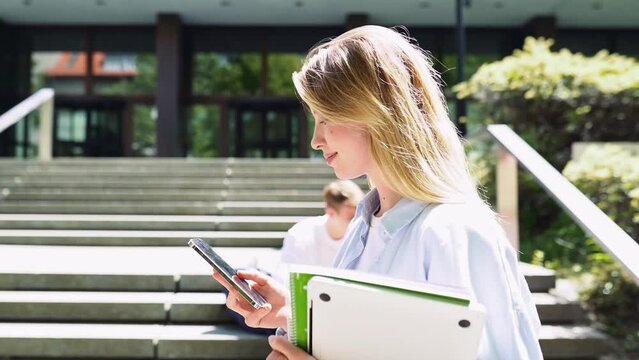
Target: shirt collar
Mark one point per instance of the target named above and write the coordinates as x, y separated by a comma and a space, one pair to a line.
400, 215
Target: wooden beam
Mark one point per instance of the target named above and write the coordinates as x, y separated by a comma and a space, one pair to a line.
354, 20
169, 86
127, 130
542, 26
264, 68
223, 132
88, 50
303, 133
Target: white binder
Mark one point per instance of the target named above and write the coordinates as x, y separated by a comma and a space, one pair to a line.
350, 320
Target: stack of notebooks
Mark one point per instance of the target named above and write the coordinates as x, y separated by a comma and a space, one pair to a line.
344, 314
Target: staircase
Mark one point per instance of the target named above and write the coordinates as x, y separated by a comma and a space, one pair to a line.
94, 262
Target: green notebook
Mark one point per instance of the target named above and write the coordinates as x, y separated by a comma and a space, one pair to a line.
300, 275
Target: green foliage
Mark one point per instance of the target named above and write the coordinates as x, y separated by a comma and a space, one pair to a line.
144, 83
609, 176
280, 71
613, 299
239, 74
482, 162
143, 120
204, 125
143, 130
217, 74
553, 99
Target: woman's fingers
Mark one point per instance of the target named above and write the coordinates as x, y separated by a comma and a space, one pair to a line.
234, 301
238, 304
254, 318
274, 355
219, 278
255, 276
281, 345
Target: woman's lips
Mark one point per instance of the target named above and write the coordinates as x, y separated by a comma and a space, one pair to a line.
330, 158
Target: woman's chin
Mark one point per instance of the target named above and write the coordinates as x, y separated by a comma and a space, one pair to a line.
343, 174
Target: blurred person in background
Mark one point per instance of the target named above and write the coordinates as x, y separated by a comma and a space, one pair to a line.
316, 240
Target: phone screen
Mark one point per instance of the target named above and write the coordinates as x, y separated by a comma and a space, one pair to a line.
228, 272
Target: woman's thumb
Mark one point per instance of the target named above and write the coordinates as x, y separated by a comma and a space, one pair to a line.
281, 344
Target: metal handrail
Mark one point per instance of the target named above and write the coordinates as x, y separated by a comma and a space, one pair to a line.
513, 150
42, 100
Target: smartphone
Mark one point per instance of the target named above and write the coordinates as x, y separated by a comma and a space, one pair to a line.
228, 272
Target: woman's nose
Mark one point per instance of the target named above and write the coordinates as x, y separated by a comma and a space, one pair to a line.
318, 141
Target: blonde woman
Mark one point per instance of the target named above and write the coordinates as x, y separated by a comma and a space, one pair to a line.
379, 111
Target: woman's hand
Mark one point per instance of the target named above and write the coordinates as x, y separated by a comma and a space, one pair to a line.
272, 315
284, 350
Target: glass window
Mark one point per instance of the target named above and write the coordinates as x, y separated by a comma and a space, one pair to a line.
61, 70
71, 125
203, 130
280, 71
226, 73
144, 127
311, 128
627, 44
118, 73
113, 73
240, 73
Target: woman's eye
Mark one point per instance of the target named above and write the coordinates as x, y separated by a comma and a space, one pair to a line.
323, 122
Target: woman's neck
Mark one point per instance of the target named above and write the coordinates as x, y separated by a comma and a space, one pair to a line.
335, 228
387, 197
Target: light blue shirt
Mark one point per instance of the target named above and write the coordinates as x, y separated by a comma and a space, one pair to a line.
460, 245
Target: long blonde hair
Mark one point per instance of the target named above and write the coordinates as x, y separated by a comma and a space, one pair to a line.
372, 77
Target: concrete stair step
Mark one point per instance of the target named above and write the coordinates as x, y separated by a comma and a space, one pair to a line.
83, 268
284, 208
18, 182
573, 342
140, 237
173, 176
91, 268
163, 162
140, 307
113, 307
130, 341
45, 194
141, 172
147, 222
539, 279
553, 309
213, 342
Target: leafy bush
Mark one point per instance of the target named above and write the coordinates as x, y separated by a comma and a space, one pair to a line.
609, 176
553, 99
613, 299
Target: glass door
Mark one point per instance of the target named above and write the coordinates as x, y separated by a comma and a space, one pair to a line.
263, 133
92, 131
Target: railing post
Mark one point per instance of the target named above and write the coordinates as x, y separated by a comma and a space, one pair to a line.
46, 131
507, 195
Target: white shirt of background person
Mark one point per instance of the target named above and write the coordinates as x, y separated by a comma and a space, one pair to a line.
316, 240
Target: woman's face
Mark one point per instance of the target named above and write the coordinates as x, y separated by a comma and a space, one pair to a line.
346, 149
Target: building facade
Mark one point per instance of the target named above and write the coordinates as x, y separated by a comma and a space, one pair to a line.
212, 78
